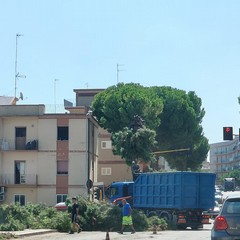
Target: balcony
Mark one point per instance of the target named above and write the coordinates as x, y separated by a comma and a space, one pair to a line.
20, 143
24, 179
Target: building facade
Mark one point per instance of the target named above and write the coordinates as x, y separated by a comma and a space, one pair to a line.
111, 168
44, 158
224, 157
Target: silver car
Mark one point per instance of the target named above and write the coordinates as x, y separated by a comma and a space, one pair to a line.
227, 224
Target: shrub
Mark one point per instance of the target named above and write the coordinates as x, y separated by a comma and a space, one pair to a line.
61, 222
139, 220
12, 224
156, 221
112, 218
15, 217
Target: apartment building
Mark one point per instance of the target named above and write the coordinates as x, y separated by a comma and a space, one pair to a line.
46, 157
224, 157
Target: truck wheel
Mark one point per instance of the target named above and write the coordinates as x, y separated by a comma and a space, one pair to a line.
166, 215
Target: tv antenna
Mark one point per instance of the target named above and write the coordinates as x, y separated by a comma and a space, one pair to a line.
119, 70
17, 75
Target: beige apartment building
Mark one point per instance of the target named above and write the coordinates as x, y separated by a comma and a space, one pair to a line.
44, 157
47, 157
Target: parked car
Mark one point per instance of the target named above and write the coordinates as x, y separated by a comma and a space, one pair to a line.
227, 224
61, 206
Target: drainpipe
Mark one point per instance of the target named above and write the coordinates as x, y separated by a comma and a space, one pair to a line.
88, 116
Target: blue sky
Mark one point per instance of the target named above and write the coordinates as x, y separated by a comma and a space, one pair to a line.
186, 44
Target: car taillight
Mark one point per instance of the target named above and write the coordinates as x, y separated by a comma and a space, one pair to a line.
220, 223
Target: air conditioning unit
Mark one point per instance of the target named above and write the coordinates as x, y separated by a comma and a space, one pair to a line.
2, 197
2, 190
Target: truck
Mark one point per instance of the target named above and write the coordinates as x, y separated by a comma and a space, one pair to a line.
229, 184
182, 198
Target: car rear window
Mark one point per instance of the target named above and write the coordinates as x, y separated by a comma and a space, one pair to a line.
231, 206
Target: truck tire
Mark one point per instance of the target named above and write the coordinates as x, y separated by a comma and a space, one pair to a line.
166, 215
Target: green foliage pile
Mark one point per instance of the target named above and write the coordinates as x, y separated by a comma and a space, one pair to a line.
94, 216
101, 216
160, 223
34, 216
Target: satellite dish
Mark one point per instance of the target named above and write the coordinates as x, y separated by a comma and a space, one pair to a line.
21, 96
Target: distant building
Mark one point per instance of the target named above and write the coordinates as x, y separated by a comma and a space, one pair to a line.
225, 157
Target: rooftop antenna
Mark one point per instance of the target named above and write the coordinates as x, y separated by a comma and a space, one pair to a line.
17, 75
55, 80
119, 70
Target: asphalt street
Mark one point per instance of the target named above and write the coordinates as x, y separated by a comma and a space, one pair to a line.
202, 234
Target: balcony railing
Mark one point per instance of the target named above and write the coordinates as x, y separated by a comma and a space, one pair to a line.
24, 179
20, 143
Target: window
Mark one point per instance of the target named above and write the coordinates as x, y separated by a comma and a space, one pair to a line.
62, 133
20, 131
61, 198
106, 171
113, 191
106, 145
20, 176
232, 206
20, 138
19, 198
62, 167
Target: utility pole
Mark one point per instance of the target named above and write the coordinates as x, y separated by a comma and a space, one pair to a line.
17, 75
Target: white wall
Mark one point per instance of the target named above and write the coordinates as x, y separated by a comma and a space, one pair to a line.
47, 134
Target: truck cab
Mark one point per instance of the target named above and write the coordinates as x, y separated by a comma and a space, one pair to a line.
119, 190
229, 184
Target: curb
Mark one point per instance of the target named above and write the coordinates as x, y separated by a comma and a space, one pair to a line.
28, 232
33, 233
